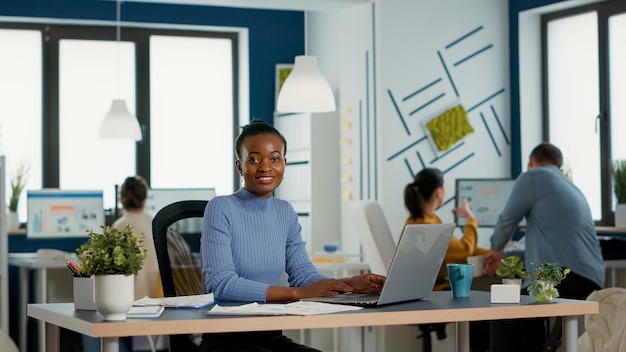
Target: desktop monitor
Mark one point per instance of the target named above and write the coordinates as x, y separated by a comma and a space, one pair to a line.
60, 213
158, 198
161, 197
487, 198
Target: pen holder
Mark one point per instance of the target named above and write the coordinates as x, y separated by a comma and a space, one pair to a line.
83, 293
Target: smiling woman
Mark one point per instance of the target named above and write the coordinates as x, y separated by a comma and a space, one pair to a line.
250, 238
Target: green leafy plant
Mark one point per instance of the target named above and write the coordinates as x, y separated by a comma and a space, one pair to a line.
18, 181
512, 268
619, 180
547, 276
113, 252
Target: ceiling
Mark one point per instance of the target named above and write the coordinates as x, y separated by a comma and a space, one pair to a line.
304, 5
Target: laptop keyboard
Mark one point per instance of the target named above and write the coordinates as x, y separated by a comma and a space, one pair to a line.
358, 299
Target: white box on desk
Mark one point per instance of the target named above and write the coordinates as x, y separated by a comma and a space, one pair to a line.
83, 293
505, 293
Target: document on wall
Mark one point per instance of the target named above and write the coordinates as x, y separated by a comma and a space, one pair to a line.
193, 301
295, 308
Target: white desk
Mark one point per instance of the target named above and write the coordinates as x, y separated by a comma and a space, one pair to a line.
612, 266
438, 308
26, 262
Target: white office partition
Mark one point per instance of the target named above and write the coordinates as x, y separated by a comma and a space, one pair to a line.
4, 252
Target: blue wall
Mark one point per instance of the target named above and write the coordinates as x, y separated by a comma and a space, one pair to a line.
274, 36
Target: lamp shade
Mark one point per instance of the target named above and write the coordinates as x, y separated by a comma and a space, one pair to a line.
305, 89
119, 123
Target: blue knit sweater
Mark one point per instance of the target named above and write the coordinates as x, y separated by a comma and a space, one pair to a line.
247, 243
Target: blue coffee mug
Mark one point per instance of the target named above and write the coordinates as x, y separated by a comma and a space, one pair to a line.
460, 276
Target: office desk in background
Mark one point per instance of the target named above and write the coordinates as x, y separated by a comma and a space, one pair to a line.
27, 262
439, 307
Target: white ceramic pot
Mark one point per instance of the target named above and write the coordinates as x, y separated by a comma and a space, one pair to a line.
546, 286
13, 222
620, 215
114, 295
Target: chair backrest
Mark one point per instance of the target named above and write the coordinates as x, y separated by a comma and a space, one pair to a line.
373, 231
180, 272
176, 264
605, 331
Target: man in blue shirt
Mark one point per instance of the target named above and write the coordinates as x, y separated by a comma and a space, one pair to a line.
559, 229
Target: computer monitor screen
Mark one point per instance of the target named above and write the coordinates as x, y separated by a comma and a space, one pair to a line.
58, 213
160, 197
486, 198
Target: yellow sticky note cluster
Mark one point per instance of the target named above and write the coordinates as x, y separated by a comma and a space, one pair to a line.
449, 127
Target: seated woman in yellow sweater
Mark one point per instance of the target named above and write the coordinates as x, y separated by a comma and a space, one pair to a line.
422, 198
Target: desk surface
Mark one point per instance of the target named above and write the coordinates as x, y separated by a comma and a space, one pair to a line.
32, 261
439, 307
610, 229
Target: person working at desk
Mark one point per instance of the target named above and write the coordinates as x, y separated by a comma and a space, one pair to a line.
133, 195
560, 229
422, 197
249, 239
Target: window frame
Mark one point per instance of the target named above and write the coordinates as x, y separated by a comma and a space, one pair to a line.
604, 10
140, 35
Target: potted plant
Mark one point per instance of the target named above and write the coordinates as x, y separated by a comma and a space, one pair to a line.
18, 181
547, 276
112, 258
512, 270
512, 273
619, 186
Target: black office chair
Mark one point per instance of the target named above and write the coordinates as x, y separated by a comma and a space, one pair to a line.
180, 272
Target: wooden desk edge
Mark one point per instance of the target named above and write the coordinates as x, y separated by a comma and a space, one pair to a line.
349, 319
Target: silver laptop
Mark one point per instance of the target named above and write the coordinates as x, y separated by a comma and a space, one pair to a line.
413, 270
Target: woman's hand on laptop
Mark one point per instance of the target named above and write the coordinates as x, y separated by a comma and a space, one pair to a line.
322, 288
366, 283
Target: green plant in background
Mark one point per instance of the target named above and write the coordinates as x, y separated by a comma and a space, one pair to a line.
18, 181
547, 276
512, 268
112, 253
619, 180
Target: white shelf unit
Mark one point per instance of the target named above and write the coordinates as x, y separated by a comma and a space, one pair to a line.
312, 179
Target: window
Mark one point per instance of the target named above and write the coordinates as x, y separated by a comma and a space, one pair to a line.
181, 84
20, 107
192, 104
91, 74
583, 65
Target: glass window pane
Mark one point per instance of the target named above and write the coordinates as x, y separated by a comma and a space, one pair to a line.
574, 103
617, 89
92, 74
191, 124
20, 107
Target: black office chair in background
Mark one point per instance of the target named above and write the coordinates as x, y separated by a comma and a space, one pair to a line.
179, 269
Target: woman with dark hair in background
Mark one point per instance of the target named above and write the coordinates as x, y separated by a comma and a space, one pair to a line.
133, 195
422, 197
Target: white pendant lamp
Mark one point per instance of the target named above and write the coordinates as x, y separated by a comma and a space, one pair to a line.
306, 89
119, 122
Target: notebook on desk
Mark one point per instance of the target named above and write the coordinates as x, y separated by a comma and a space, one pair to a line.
413, 270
